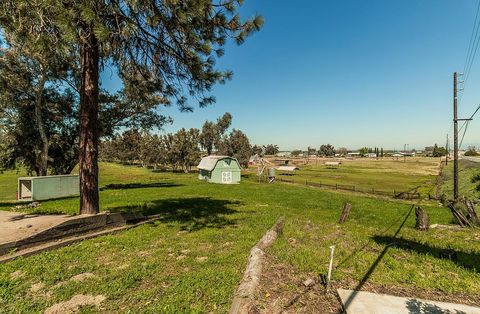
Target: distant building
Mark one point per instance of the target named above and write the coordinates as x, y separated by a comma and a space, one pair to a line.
283, 154
219, 169
287, 168
353, 154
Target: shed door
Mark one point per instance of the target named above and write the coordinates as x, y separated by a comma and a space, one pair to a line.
227, 177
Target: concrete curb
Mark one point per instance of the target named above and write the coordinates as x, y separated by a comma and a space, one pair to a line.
117, 223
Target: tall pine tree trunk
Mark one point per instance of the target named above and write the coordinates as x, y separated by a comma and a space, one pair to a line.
89, 56
43, 158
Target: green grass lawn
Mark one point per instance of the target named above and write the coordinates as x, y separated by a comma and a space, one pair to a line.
8, 184
368, 173
161, 267
466, 170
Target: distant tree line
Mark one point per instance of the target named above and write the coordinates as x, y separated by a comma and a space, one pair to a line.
269, 150
180, 150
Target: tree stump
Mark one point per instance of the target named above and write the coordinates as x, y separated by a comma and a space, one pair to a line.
345, 212
421, 219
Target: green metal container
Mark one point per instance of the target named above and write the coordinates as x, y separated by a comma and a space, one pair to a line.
47, 187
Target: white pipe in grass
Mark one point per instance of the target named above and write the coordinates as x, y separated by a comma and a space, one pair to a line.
330, 266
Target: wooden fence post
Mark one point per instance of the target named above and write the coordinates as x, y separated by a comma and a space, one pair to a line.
421, 219
345, 212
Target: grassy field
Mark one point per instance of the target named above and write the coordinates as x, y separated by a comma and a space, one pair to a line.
8, 184
367, 174
193, 258
466, 170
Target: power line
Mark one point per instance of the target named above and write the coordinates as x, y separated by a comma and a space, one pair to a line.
471, 38
472, 47
471, 117
463, 135
466, 122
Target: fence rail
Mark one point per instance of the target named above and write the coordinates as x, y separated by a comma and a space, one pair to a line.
409, 195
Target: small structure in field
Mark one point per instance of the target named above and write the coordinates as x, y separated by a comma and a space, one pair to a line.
332, 163
287, 170
219, 169
47, 187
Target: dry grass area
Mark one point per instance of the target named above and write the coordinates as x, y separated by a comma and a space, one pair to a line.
381, 174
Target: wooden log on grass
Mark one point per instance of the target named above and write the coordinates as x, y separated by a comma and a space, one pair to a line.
471, 213
421, 219
243, 299
459, 216
345, 212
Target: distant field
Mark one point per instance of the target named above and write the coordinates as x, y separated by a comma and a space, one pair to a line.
467, 169
369, 173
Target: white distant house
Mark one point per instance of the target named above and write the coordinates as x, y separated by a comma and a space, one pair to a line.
332, 163
287, 168
371, 155
353, 154
283, 154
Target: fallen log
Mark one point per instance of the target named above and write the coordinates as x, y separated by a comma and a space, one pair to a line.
471, 213
243, 300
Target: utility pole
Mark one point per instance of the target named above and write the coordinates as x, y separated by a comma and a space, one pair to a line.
404, 152
455, 138
447, 152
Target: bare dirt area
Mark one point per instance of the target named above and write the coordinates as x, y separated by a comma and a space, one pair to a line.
284, 289
73, 305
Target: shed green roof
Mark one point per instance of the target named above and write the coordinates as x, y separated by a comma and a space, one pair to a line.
209, 162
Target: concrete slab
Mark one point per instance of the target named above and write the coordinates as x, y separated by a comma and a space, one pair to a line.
359, 302
15, 226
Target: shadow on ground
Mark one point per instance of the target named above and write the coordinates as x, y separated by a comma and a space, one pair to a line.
467, 260
192, 213
418, 307
127, 186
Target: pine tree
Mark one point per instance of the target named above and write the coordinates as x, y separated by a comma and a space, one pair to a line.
163, 50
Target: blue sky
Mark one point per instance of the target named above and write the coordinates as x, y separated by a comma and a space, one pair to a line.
349, 73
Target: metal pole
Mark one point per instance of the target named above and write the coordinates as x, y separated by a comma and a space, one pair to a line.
446, 151
330, 266
455, 139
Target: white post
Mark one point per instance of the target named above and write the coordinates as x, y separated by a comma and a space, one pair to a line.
330, 266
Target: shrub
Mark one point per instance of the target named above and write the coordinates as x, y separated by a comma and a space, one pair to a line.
471, 153
476, 178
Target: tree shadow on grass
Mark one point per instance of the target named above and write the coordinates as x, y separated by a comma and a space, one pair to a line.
470, 261
126, 186
192, 213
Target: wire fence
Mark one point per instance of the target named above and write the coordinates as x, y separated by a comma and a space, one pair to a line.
408, 195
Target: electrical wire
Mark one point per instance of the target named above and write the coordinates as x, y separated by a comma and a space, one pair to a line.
463, 136
472, 49
465, 124
467, 58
